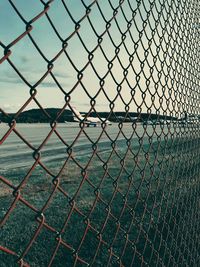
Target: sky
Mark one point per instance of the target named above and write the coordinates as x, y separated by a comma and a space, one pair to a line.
150, 92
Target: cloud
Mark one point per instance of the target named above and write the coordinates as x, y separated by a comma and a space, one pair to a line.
10, 74
10, 77
60, 74
11, 107
102, 105
11, 80
16, 80
24, 59
48, 84
87, 104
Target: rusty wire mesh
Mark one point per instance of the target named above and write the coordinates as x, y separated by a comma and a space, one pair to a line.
134, 200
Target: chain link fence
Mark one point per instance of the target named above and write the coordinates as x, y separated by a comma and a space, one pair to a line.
124, 193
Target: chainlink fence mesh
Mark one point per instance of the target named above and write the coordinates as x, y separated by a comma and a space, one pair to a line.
125, 194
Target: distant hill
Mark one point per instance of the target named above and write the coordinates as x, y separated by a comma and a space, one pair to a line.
37, 115
50, 114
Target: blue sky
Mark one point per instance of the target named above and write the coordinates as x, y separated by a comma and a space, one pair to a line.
14, 92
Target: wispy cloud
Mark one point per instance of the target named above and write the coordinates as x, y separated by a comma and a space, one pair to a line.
11, 78
61, 74
48, 84
10, 107
87, 104
96, 105
24, 59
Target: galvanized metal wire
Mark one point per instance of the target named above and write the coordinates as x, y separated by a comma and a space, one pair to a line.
139, 207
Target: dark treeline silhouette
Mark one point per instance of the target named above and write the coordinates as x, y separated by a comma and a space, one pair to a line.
39, 116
